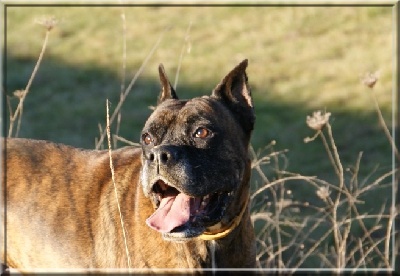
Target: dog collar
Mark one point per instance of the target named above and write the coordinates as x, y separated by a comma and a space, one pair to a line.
220, 231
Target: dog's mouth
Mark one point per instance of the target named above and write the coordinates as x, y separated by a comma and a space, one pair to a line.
180, 217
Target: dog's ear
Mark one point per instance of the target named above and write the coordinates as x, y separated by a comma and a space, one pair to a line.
167, 91
234, 92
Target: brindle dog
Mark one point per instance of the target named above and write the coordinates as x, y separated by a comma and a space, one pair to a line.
184, 195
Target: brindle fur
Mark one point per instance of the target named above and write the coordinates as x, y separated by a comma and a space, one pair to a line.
61, 210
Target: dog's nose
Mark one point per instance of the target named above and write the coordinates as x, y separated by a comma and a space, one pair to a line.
162, 155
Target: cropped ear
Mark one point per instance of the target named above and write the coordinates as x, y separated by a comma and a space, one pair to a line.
235, 93
167, 91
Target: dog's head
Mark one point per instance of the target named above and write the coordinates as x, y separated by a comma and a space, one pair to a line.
195, 156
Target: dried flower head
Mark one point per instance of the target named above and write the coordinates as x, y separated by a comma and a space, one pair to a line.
318, 120
48, 22
19, 93
370, 79
323, 193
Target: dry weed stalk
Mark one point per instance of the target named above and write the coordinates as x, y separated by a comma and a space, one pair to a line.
129, 88
342, 224
123, 72
370, 80
186, 45
125, 91
115, 186
336, 219
49, 24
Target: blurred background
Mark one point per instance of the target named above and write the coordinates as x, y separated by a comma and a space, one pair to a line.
301, 59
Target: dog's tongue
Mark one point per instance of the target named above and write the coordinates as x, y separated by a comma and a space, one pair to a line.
174, 211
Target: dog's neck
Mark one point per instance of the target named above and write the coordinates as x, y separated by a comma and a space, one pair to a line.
219, 231
227, 249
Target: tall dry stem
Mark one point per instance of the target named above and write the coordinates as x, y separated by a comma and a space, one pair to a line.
340, 240
338, 219
123, 71
186, 46
370, 80
115, 186
21, 94
129, 88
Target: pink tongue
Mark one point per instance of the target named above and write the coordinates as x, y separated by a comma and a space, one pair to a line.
174, 211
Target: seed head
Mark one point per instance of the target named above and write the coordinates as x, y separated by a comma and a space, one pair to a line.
323, 193
318, 120
19, 93
370, 79
48, 22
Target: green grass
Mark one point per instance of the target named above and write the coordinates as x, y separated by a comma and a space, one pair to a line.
301, 59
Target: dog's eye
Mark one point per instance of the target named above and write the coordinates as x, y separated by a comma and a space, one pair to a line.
146, 138
202, 133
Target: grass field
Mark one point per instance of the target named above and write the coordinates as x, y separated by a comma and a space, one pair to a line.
301, 59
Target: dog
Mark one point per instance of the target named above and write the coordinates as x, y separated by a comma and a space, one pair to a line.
183, 197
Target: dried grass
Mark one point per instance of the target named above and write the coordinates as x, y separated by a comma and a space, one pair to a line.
339, 247
49, 24
115, 187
